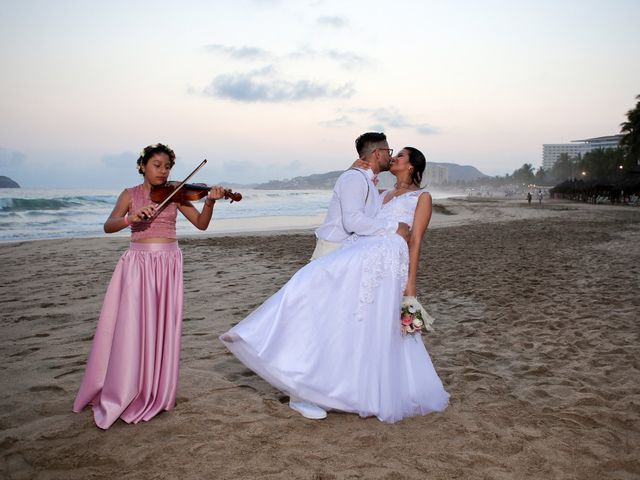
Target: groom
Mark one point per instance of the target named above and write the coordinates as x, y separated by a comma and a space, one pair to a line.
352, 209
355, 201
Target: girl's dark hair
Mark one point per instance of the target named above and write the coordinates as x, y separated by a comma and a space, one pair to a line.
151, 150
419, 163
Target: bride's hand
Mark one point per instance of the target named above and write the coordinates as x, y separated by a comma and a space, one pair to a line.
360, 163
403, 231
410, 291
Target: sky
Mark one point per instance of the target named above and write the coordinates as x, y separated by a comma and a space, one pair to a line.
274, 89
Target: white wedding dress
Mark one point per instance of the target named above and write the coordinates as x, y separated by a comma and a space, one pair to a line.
331, 335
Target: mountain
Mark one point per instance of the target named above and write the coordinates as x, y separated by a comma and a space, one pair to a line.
317, 181
463, 173
6, 182
324, 181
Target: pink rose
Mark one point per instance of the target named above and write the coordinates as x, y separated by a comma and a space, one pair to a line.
407, 319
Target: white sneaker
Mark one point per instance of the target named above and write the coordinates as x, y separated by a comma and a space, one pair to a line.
307, 409
229, 337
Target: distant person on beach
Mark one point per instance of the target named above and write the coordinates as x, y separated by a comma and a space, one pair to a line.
132, 370
355, 201
529, 197
332, 336
540, 196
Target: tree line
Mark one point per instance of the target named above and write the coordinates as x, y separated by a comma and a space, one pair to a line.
611, 165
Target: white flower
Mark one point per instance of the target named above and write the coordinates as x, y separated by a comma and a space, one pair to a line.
412, 309
417, 322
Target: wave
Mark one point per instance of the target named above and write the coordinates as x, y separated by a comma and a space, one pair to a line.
61, 203
30, 204
108, 199
289, 193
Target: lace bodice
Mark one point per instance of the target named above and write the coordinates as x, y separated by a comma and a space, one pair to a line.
400, 208
384, 254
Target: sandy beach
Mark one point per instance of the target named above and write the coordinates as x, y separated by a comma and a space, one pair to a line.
537, 340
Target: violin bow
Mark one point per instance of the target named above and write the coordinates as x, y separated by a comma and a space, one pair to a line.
179, 187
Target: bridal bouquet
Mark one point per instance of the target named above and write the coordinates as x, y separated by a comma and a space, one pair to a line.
413, 317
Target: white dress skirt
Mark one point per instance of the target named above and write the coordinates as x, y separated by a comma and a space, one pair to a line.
331, 335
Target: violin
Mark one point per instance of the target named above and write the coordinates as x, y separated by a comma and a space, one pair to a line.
188, 192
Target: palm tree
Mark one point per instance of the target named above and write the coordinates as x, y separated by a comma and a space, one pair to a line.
541, 176
563, 168
630, 143
524, 174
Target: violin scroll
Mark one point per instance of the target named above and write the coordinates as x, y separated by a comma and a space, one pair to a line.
233, 196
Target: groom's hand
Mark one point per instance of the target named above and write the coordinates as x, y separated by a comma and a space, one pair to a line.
403, 231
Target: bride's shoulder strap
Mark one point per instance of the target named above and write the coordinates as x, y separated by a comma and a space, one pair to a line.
418, 193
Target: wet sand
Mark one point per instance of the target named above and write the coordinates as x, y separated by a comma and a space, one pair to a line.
537, 340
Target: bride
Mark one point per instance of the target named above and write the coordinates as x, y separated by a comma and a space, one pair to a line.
330, 337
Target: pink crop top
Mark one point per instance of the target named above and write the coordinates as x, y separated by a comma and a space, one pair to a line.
163, 224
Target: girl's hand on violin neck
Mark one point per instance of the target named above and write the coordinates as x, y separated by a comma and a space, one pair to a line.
144, 213
216, 193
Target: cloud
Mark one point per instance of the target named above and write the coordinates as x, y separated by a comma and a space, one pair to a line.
265, 85
333, 21
390, 117
427, 130
238, 53
347, 60
340, 122
11, 158
381, 120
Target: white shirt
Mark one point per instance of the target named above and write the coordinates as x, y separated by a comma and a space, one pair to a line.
348, 211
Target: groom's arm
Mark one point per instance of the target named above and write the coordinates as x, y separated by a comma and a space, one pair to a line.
351, 189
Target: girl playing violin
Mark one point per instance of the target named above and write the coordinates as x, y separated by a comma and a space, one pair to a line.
132, 370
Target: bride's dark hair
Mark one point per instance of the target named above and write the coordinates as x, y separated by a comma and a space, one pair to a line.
419, 163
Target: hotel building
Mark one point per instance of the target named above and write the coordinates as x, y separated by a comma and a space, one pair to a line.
435, 174
552, 151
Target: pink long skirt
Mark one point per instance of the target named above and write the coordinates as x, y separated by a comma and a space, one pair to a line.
132, 370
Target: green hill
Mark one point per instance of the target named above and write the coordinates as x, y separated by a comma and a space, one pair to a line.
6, 182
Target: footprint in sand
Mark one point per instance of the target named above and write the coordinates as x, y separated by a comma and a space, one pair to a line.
47, 388
26, 352
70, 372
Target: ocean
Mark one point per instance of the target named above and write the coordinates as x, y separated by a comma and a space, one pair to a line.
33, 214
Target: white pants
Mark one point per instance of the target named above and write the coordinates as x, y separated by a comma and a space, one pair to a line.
324, 247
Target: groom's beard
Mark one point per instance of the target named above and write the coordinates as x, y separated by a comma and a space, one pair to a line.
385, 166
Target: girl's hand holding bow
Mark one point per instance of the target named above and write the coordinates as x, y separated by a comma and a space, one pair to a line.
142, 214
